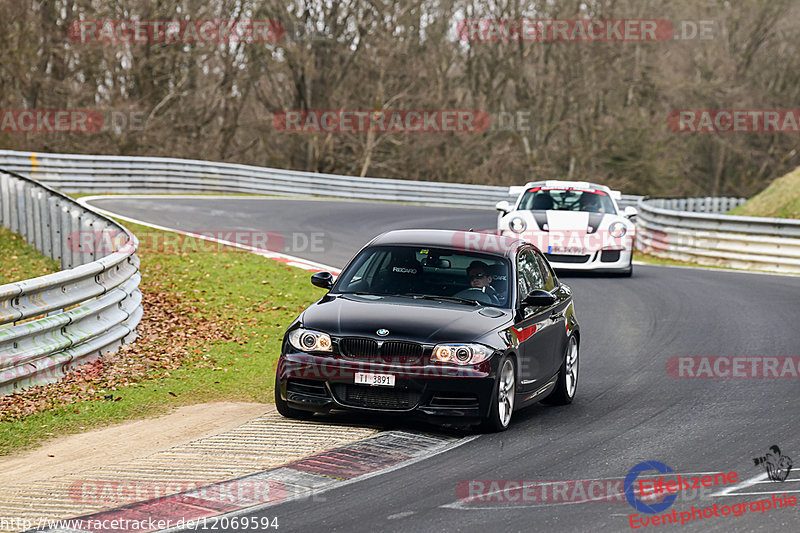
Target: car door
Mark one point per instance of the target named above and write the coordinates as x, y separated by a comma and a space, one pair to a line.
555, 332
531, 324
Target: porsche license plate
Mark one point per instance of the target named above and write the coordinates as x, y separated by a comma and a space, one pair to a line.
375, 380
566, 250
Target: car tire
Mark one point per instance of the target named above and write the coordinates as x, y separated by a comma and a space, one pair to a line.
629, 272
567, 381
626, 273
286, 411
501, 406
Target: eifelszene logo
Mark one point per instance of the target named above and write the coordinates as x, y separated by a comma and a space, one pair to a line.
630, 488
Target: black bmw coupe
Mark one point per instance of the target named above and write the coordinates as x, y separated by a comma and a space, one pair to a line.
459, 327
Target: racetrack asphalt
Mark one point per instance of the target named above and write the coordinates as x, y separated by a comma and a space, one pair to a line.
628, 408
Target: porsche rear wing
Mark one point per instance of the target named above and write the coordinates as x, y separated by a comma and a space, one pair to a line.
516, 190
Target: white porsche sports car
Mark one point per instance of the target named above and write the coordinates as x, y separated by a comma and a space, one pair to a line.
577, 225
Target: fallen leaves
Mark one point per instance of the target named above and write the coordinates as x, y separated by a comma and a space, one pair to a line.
169, 333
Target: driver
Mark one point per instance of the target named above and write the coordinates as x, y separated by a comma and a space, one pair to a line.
479, 278
591, 202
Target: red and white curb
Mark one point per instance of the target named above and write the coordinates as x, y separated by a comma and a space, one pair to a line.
303, 479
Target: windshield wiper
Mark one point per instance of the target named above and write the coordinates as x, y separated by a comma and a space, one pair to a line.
446, 299
381, 294
418, 296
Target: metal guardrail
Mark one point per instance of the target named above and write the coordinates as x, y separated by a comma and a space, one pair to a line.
97, 173
51, 323
692, 229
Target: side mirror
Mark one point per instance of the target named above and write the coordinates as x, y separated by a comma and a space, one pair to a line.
323, 280
631, 211
503, 206
539, 298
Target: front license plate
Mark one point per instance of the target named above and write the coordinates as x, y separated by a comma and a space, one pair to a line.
566, 250
376, 380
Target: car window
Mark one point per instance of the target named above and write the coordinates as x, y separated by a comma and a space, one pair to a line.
529, 275
423, 271
553, 199
365, 267
549, 278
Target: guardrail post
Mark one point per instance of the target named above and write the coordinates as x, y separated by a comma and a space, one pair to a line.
17, 219
66, 236
54, 210
5, 200
37, 242
30, 220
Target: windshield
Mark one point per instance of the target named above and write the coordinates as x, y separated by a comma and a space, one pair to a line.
418, 272
541, 199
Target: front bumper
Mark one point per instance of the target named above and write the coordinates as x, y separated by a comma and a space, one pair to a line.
448, 394
597, 251
597, 260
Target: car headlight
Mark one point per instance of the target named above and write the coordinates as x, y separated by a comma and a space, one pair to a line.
307, 340
617, 230
517, 225
461, 354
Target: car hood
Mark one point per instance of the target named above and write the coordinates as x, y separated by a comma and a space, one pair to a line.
425, 321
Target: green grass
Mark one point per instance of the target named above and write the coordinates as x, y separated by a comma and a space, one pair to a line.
252, 297
19, 260
655, 260
780, 200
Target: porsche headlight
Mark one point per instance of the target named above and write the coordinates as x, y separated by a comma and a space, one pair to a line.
617, 230
307, 340
461, 354
517, 225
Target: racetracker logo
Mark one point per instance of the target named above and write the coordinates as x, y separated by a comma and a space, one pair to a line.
48, 120
382, 121
523, 491
476, 491
241, 491
213, 241
554, 241
734, 121
70, 121
176, 31
565, 30
723, 367
304, 366
584, 30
